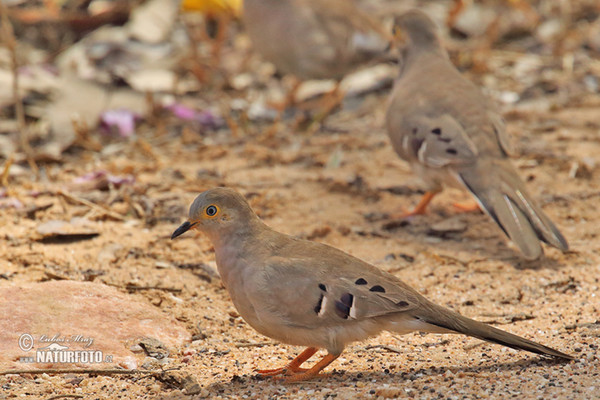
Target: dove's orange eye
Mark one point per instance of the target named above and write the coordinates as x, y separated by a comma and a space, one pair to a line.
211, 211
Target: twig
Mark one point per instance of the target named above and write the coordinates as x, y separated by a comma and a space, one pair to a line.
261, 344
146, 148
80, 371
474, 346
56, 277
6, 171
8, 37
166, 289
441, 343
133, 287
66, 396
508, 318
385, 347
94, 206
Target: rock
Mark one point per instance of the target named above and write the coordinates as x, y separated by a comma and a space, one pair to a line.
447, 226
61, 317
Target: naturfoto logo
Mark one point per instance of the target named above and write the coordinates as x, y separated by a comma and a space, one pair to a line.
56, 349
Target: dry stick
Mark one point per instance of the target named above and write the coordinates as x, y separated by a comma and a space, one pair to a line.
261, 344
80, 371
6, 171
165, 289
11, 43
384, 347
94, 206
66, 396
133, 288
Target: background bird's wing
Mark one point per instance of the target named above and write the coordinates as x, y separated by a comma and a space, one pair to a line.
437, 140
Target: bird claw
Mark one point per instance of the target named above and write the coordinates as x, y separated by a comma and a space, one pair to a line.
302, 376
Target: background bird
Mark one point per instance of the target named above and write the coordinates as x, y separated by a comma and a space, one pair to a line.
452, 135
314, 39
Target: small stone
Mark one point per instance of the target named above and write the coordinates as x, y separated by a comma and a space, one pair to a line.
447, 227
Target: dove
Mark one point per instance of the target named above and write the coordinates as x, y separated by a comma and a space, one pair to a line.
309, 294
314, 39
453, 136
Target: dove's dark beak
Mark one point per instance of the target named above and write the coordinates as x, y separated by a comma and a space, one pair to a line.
186, 226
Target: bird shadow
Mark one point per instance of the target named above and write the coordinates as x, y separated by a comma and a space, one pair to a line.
342, 378
544, 262
485, 246
424, 373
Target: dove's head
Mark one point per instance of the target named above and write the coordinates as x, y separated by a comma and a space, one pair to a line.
417, 29
218, 212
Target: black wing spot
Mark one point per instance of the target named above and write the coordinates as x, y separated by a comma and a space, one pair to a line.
347, 299
322, 287
451, 151
402, 303
360, 281
344, 305
436, 131
319, 304
415, 130
377, 288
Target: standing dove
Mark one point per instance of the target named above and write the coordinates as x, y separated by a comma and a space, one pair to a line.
309, 294
451, 135
314, 39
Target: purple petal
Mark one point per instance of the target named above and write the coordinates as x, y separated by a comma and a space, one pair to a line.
123, 120
205, 118
183, 112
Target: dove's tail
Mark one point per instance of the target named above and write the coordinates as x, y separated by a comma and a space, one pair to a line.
443, 320
502, 195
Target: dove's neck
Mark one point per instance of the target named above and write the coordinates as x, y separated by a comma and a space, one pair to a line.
235, 247
422, 55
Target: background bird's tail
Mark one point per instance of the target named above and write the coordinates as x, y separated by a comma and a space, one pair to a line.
502, 195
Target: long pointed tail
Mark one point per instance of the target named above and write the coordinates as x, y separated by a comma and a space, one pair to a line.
444, 320
502, 195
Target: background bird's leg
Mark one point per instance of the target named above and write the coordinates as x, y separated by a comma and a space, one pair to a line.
419, 209
467, 206
314, 371
293, 366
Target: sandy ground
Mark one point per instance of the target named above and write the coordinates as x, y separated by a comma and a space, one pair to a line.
286, 177
336, 186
